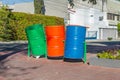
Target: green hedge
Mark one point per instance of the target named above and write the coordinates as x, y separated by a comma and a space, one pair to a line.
19, 21
3, 21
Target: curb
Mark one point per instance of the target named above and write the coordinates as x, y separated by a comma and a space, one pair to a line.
11, 42
116, 40
104, 62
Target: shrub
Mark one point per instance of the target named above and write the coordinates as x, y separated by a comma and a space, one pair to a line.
109, 38
118, 27
109, 54
19, 21
5, 32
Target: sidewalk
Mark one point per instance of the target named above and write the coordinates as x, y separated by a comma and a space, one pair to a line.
20, 67
17, 66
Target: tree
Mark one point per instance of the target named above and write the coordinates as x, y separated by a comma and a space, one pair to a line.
94, 2
91, 1
71, 2
39, 6
103, 3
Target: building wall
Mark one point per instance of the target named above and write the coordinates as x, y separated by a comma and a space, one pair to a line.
108, 32
53, 7
23, 7
91, 16
113, 6
56, 8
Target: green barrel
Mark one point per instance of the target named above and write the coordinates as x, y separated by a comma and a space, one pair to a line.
36, 40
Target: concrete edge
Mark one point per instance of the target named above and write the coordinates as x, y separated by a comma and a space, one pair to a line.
103, 40
11, 42
104, 62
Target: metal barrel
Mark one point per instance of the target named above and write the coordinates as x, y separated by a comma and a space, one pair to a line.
74, 43
55, 37
36, 39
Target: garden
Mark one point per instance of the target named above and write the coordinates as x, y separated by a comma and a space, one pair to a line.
110, 54
107, 58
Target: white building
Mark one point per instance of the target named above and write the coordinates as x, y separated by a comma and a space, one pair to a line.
100, 24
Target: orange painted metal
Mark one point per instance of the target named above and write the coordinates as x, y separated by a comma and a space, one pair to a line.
55, 40
51, 41
58, 31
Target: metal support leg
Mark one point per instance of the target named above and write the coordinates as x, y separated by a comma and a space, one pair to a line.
28, 50
45, 49
85, 53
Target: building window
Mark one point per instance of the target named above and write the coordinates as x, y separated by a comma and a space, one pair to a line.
118, 17
111, 16
101, 18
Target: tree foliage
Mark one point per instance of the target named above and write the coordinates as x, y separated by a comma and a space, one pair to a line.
91, 1
118, 27
71, 2
94, 2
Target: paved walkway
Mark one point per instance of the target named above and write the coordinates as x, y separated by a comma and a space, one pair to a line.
15, 65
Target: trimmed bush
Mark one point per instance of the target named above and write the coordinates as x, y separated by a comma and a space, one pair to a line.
109, 38
5, 29
109, 54
19, 21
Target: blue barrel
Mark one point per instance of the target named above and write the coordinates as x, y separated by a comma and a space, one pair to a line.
74, 43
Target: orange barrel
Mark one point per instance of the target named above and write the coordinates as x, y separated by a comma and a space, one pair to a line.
55, 36
52, 31
51, 41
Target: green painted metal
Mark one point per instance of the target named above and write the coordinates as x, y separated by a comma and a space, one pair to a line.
85, 53
28, 50
36, 40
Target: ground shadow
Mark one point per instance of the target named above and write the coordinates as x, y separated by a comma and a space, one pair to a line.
96, 47
12, 46
10, 49
7, 50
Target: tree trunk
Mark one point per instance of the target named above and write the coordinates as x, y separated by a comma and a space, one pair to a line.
38, 4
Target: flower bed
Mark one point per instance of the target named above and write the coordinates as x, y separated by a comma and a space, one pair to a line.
109, 58
110, 54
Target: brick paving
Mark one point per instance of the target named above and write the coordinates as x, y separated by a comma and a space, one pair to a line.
17, 66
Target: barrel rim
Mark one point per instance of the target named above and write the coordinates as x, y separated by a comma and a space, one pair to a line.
33, 26
55, 26
76, 26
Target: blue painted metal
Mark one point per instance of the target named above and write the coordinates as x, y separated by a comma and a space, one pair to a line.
91, 35
12, 2
74, 43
